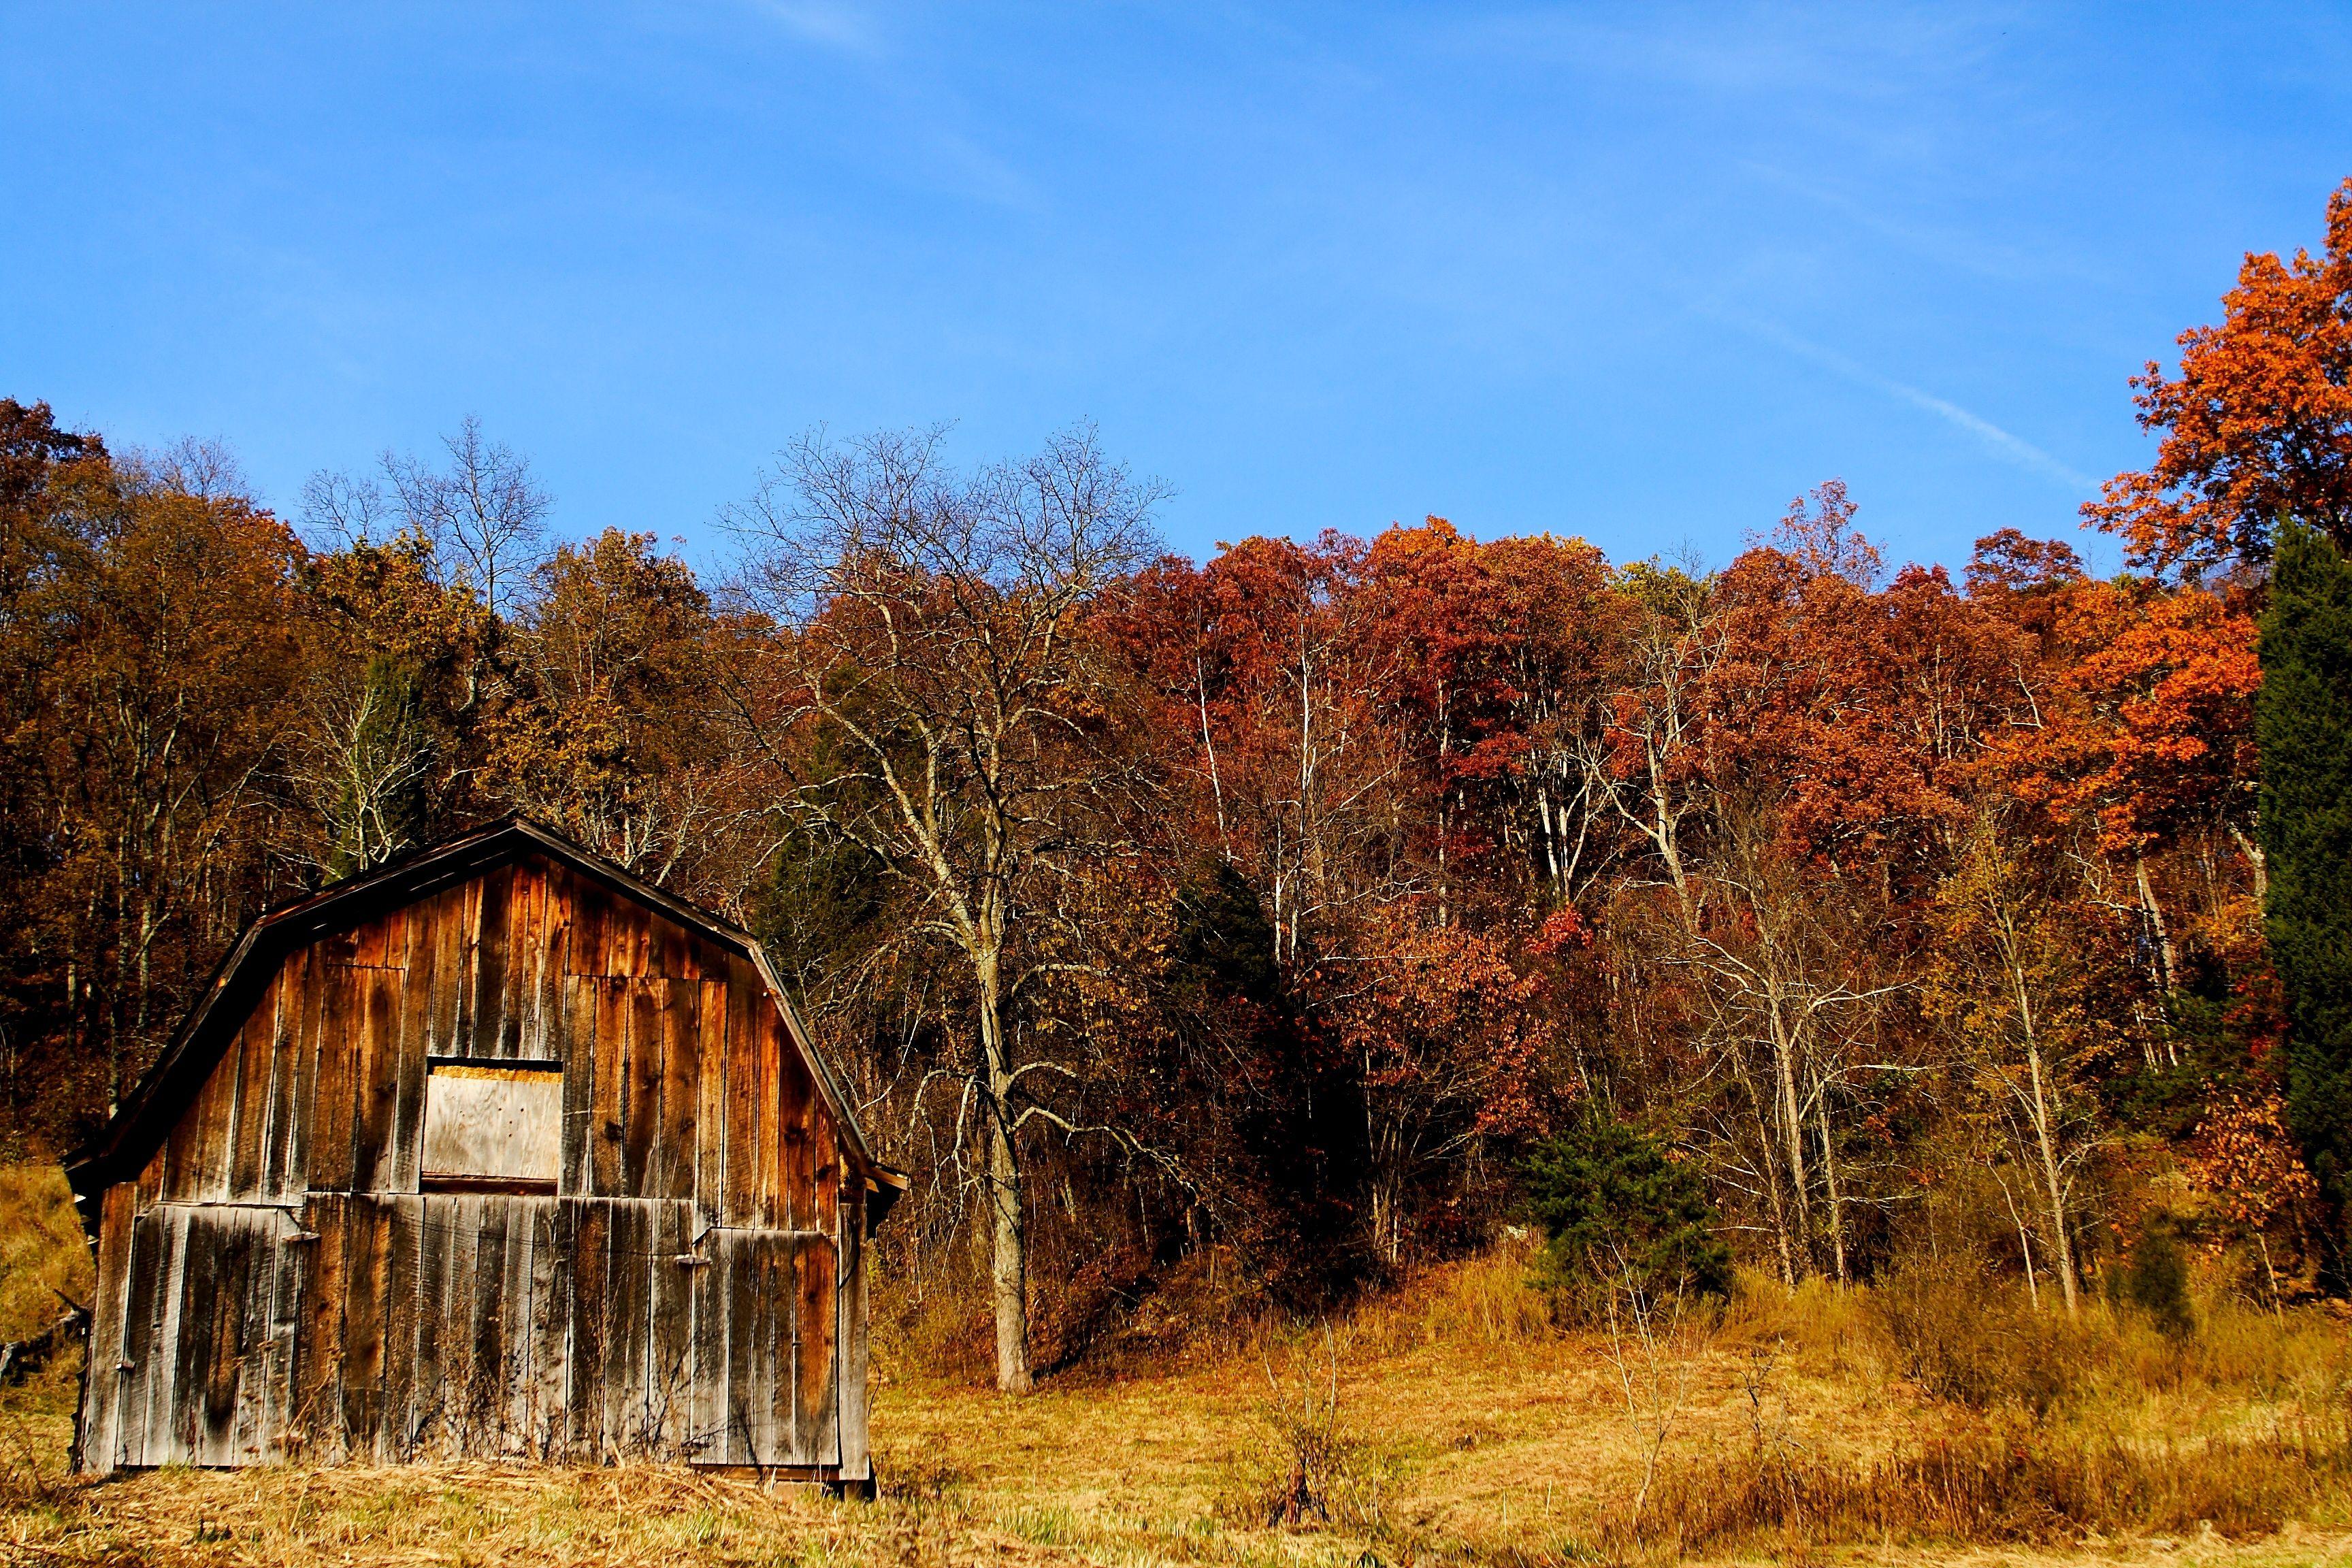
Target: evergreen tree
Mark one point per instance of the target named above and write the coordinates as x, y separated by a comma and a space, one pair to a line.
2304, 724
1618, 1210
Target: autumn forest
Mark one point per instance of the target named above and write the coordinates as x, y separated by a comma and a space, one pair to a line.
1256, 928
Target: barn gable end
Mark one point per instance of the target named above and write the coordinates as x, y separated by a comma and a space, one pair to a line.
498, 1153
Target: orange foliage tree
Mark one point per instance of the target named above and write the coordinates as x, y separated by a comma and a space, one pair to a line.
2257, 425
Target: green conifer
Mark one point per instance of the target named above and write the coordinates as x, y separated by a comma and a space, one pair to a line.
2304, 725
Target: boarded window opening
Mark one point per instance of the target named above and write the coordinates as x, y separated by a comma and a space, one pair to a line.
492, 1125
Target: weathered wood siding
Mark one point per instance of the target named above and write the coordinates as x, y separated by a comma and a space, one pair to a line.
281, 1279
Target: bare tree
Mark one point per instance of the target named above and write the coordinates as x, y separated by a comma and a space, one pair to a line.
929, 652
2012, 983
365, 764
484, 514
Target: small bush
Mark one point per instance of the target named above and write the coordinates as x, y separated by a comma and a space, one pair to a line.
1313, 1469
1618, 1211
2156, 1279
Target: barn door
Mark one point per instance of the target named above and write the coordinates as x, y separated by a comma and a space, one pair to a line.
764, 1347
213, 1295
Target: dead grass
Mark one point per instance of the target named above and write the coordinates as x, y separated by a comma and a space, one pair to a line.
1449, 1423
2048, 1489
42, 1257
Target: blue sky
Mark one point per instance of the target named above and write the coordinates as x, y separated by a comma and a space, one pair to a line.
1640, 273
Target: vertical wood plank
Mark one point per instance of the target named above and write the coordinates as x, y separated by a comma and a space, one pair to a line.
232, 1285
487, 1405
681, 1089
368, 1261
429, 1397
710, 1115
743, 1091
579, 1054
795, 1167
319, 1352
493, 1028
610, 1091
670, 1359
464, 1409
827, 1182
411, 1043
108, 1349
404, 1219
192, 1343
307, 972
148, 1267
627, 1322
467, 976
159, 1261
527, 964
443, 954
590, 1226
249, 1118
641, 1103
850, 1362
342, 1009
289, 1285
778, 1348
708, 1400
518, 1419
375, 943
377, 1085
624, 936
776, 1194
195, 1167
815, 1435
591, 925
279, 1183
547, 1309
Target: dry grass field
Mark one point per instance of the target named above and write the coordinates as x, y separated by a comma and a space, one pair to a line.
1448, 1424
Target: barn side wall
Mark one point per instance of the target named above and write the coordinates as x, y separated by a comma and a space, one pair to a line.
275, 1284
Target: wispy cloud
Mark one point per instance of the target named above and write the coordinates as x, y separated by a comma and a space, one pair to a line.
1734, 49
1945, 244
826, 22
2013, 449
929, 146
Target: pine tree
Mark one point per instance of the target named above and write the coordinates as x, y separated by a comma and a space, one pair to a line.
2304, 725
1618, 1209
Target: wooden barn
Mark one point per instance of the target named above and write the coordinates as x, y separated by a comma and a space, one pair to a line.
497, 1152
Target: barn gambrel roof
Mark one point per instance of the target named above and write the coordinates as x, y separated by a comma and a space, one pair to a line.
147, 1116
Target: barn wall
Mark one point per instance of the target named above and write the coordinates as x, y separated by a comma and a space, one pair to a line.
275, 1282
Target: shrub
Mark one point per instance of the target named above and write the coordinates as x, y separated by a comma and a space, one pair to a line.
1618, 1209
2156, 1279
1975, 1342
1312, 1468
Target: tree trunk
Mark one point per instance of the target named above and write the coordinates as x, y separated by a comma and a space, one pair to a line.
2168, 962
2024, 1243
1008, 1260
1008, 1228
1829, 1185
1789, 1111
2061, 1246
